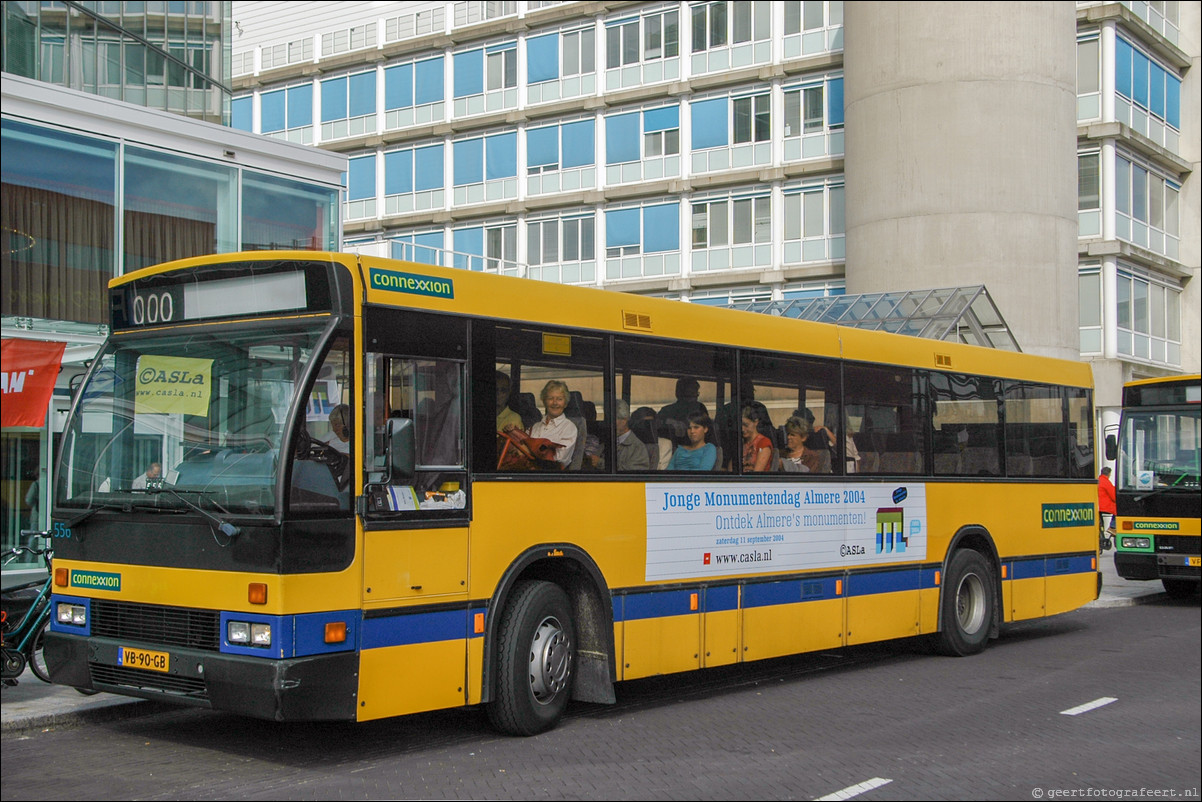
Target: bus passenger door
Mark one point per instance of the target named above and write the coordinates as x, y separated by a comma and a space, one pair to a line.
415, 519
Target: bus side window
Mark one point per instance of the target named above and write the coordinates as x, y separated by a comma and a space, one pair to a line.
428, 393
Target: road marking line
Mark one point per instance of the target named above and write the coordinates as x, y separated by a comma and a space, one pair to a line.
856, 790
1085, 708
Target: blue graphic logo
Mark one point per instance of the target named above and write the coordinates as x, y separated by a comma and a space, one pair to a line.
899, 495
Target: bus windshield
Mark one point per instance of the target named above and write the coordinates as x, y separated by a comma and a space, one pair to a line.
1158, 450
174, 418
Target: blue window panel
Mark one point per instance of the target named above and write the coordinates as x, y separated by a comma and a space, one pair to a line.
429, 247
621, 228
501, 156
271, 111
542, 146
1122, 67
501, 48
469, 162
398, 87
468, 242
834, 107
578, 144
661, 227
622, 138
333, 100
1139, 78
398, 172
542, 58
428, 172
300, 106
469, 73
1156, 78
242, 113
363, 94
1172, 101
664, 119
427, 77
709, 123
361, 178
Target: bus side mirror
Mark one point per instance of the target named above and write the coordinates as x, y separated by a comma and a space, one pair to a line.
401, 450
1112, 447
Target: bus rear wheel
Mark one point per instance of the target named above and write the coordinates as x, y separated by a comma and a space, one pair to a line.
535, 660
967, 604
1180, 588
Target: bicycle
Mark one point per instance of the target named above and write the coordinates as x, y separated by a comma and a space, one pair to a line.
25, 618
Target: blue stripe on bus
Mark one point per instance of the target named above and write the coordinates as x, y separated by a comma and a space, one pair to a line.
883, 582
657, 604
766, 594
310, 630
721, 598
403, 630
1027, 569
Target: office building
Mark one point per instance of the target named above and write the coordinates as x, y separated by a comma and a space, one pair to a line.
114, 159
725, 152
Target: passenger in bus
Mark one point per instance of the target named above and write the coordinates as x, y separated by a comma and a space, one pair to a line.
631, 452
339, 436
673, 420
820, 440
555, 425
152, 475
659, 449
505, 414
796, 458
698, 454
758, 451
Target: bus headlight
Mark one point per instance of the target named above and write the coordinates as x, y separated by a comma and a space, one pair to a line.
260, 634
237, 632
247, 633
74, 614
1136, 543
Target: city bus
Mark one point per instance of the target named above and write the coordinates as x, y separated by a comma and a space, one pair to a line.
321, 486
1157, 495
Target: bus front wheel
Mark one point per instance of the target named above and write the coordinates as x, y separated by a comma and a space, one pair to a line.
535, 657
967, 604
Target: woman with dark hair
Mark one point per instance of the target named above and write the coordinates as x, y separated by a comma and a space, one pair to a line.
757, 438
697, 454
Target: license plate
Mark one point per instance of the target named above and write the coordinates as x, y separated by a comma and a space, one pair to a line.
144, 659
1195, 562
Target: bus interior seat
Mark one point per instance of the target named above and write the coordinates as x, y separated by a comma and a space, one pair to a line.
527, 408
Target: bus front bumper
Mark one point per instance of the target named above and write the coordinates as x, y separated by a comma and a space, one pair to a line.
314, 688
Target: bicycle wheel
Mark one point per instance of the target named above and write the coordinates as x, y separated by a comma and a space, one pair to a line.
37, 655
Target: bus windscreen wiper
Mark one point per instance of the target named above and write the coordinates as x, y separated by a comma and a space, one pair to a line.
224, 527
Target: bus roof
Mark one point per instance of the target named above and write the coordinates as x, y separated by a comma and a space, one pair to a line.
392, 282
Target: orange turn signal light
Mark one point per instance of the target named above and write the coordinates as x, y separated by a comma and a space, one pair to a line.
256, 593
60, 577
336, 632
478, 623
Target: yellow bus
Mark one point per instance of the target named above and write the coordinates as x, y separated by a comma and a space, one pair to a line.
1158, 526
300, 485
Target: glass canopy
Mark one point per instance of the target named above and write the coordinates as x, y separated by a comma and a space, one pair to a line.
958, 314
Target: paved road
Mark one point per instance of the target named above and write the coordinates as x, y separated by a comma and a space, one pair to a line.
987, 727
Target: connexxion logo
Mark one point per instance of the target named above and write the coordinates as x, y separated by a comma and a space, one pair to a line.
95, 580
412, 284
1057, 515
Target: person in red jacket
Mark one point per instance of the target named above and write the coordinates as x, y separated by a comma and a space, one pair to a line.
1106, 498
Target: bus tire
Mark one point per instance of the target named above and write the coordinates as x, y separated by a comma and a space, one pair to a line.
967, 605
535, 660
1180, 588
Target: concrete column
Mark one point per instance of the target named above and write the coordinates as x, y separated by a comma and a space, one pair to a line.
962, 157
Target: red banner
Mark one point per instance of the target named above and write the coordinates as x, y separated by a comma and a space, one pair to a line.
28, 370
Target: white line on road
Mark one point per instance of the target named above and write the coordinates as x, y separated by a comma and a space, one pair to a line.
1085, 708
857, 789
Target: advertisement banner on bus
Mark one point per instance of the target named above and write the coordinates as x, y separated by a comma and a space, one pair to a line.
712, 530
